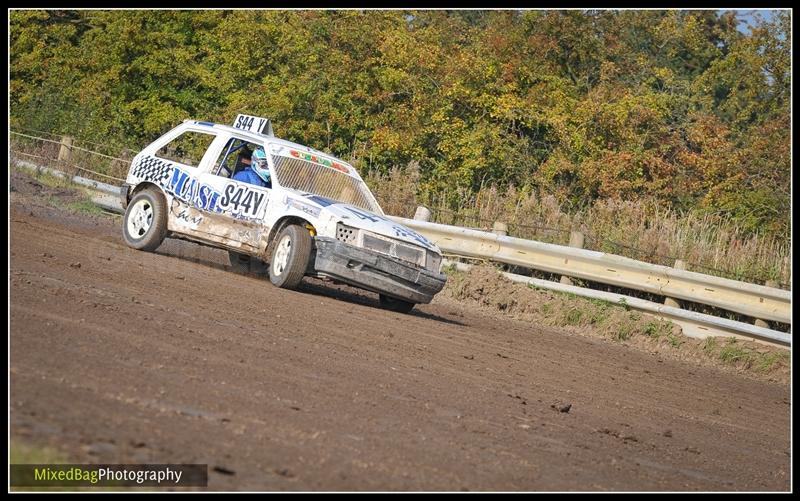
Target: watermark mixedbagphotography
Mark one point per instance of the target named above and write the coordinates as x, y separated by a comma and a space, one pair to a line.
109, 475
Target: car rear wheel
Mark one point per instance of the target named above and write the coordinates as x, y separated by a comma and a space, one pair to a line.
397, 305
145, 224
290, 256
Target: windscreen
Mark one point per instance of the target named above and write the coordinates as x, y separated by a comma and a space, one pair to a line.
321, 176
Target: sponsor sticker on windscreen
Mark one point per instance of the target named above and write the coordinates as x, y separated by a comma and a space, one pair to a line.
312, 158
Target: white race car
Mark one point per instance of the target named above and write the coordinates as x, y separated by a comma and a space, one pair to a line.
311, 215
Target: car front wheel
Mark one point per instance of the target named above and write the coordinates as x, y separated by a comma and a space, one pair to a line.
145, 224
290, 256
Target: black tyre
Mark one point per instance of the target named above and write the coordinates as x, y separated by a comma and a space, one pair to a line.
243, 263
290, 255
397, 305
145, 223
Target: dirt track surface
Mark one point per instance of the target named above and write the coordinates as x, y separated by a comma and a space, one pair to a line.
123, 356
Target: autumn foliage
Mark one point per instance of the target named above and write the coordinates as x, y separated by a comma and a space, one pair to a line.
681, 107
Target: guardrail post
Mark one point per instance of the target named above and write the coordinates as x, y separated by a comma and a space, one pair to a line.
575, 240
500, 228
668, 301
65, 152
763, 323
422, 214
785, 271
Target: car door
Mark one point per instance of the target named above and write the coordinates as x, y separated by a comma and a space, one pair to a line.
235, 210
181, 159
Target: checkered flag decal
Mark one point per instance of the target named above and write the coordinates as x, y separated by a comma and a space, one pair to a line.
153, 169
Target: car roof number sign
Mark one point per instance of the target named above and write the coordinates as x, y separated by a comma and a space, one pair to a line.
253, 124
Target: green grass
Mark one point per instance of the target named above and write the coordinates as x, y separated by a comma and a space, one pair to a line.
652, 330
22, 453
674, 341
573, 316
450, 269
598, 316
614, 320
86, 206
732, 353
44, 177
601, 303
623, 332
27, 454
83, 204
767, 361
658, 328
711, 346
580, 311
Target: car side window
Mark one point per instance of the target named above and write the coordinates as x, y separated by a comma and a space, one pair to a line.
187, 149
235, 157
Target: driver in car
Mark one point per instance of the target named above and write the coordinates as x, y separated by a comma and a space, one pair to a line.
258, 171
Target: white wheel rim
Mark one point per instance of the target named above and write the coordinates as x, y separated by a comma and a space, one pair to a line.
282, 255
140, 219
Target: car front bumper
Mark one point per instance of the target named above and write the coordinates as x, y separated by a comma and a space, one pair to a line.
376, 272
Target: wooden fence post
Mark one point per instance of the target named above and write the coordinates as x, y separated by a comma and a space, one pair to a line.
575, 240
422, 214
786, 275
668, 301
763, 323
500, 228
65, 152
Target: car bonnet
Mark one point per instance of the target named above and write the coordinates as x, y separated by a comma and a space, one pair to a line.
357, 217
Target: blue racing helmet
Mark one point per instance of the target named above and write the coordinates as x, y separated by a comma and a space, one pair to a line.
258, 163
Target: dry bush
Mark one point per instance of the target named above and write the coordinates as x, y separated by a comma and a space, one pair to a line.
640, 229
396, 191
